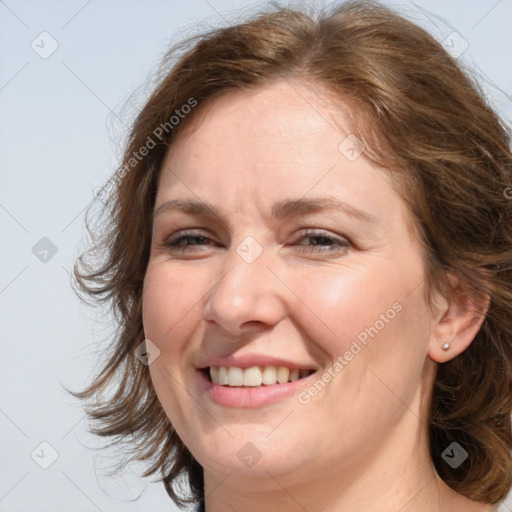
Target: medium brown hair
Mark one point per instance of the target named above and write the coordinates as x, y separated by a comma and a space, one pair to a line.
420, 116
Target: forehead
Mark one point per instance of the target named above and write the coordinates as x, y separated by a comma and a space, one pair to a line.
278, 110
283, 140
277, 129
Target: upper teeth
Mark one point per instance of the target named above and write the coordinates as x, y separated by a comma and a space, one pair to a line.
255, 375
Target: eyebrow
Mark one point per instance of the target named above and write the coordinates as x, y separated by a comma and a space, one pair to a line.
280, 210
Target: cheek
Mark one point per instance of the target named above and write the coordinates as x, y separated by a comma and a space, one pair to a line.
378, 328
170, 311
375, 316
342, 304
169, 298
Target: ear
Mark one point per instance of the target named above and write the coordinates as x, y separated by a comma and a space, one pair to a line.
460, 314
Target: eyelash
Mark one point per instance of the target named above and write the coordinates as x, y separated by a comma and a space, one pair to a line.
338, 243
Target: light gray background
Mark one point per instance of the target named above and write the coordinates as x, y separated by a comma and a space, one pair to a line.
61, 127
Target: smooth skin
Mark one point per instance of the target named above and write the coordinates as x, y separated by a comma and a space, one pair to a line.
322, 278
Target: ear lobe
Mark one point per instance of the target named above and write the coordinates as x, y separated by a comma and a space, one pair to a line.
460, 317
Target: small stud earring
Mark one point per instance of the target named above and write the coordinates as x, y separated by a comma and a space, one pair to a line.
446, 346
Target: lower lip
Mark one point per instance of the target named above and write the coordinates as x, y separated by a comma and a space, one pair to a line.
250, 397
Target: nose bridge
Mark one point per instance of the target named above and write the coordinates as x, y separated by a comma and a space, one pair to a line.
247, 290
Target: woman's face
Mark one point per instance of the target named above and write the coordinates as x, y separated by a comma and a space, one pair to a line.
277, 244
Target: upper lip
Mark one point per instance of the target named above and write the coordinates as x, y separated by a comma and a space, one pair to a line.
248, 360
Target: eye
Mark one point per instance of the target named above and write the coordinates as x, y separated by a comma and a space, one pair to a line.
187, 241
315, 241
321, 241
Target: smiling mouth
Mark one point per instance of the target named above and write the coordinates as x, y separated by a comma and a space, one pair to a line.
254, 376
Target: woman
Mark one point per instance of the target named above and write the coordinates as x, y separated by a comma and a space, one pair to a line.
311, 232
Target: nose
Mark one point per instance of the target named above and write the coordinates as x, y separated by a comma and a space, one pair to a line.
247, 295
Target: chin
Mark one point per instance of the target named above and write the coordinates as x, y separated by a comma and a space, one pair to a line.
251, 452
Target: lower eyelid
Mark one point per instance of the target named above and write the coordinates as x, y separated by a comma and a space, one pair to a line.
324, 248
